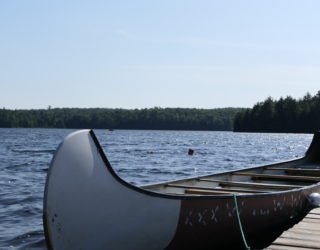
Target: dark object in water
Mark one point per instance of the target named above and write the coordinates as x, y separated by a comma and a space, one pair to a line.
190, 151
88, 206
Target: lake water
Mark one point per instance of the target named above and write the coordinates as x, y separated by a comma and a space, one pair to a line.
139, 157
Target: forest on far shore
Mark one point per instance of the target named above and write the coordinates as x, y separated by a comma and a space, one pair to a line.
104, 118
286, 115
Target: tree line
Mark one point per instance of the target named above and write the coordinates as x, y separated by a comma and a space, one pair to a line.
287, 115
104, 118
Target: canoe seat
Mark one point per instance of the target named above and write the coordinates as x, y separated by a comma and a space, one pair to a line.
207, 192
273, 177
297, 171
254, 185
214, 189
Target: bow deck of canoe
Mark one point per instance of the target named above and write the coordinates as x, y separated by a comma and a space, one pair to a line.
88, 206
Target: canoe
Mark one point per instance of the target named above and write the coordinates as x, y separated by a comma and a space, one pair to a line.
88, 206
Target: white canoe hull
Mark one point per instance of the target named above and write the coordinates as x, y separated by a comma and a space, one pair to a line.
87, 208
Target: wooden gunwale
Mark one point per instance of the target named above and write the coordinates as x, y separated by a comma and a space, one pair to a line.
252, 184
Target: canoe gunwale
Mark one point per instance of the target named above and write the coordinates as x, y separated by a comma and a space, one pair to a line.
144, 190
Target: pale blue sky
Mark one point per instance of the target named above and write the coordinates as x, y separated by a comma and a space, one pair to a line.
137, 54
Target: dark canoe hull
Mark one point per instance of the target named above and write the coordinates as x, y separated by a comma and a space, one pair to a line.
87, 205
213, 224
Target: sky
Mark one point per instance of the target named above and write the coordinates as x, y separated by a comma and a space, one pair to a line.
169, 53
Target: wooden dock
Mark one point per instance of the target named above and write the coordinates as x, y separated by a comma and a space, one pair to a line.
304, 236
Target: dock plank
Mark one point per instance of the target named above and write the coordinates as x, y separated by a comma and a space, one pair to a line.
304, 235
313, 216
280, 247
315, 211
297, 243
303, 231
296, 235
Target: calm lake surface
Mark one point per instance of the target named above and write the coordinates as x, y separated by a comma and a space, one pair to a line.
139, 157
